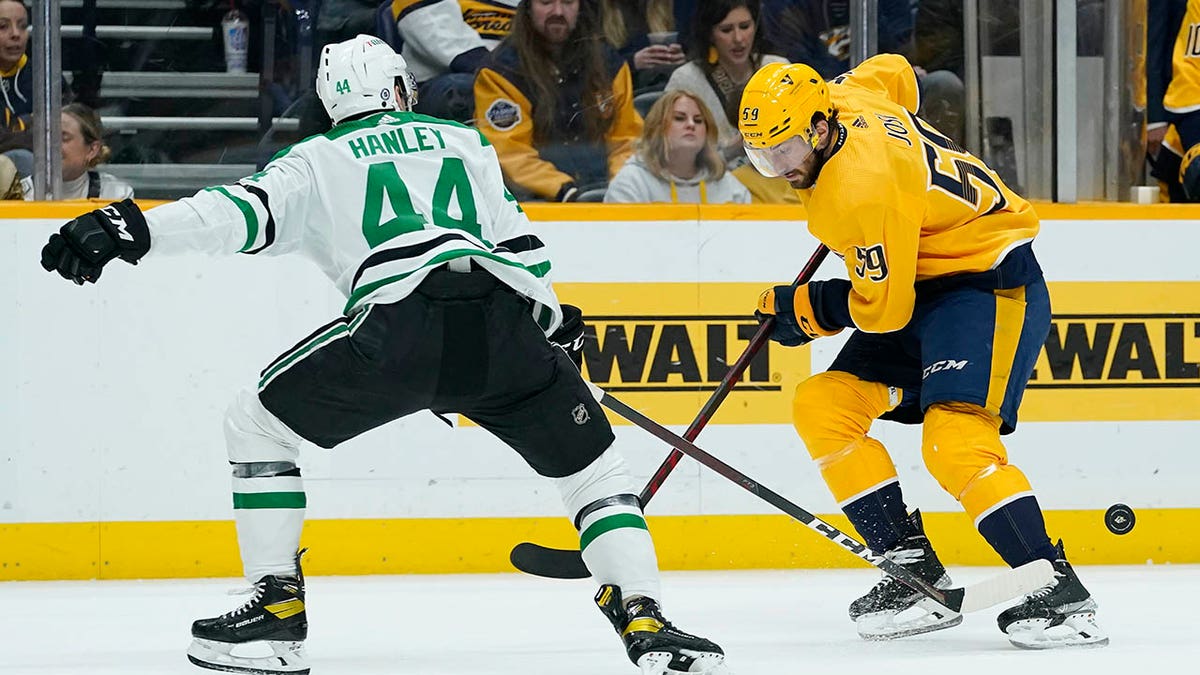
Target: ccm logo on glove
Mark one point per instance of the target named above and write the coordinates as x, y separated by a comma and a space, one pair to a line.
80, 250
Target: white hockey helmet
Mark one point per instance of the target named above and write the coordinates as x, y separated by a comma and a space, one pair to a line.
357, 76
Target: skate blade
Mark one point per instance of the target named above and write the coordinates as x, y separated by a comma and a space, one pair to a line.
705, 663
1078, 631
880, 626
287, 657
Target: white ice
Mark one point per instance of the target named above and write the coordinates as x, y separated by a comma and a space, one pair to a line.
770, 623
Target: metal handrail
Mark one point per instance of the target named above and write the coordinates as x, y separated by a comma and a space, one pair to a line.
121, 123
130, 84
129, 4
144, 32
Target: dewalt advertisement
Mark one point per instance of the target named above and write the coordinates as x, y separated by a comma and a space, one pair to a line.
1119, 351
1116, 351
663, 348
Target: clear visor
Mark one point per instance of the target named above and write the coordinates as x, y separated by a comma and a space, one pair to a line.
781, 158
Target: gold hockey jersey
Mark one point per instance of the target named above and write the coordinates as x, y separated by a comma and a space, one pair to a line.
1183, 92
902, 203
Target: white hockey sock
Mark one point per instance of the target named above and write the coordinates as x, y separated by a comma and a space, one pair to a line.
614, 540
617, 548
268, 493
270, 516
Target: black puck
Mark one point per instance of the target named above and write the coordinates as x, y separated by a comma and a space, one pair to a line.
1119, 519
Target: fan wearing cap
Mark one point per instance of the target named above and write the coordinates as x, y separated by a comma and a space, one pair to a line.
948, 310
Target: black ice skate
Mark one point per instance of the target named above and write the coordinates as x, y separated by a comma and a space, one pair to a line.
877, 613
1062, 614
653, 644
268, 631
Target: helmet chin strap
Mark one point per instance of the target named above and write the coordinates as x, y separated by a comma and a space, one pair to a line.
834, 144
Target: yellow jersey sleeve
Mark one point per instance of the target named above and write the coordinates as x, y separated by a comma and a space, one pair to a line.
882, 269
887, 75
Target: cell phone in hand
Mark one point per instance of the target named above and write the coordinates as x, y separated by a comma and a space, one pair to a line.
664, 38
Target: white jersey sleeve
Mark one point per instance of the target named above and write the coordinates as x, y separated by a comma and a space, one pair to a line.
245, 217
377, 204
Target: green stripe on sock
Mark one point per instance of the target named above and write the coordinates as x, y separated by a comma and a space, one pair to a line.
269, 500
610, 523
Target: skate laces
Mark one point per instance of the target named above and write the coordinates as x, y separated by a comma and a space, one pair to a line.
259, 589
1047, 589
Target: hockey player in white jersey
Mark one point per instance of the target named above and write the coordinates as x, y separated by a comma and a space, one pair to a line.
449, 307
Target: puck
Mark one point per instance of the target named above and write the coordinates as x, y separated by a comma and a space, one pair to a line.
1119, 519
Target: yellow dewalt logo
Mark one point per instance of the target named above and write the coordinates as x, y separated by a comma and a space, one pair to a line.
672, 353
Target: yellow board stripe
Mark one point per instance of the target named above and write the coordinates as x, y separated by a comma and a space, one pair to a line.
667, 212
30, 551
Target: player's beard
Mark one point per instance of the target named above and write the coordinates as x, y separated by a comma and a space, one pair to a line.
804, 176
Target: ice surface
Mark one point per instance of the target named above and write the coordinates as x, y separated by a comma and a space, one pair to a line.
769, 623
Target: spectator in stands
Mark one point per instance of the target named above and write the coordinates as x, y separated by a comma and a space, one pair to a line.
677, 159
817, 32
10, 182
16, 137
643, 32
83, 149
726, 48
557, 102
445, 42
16, 86
936, 52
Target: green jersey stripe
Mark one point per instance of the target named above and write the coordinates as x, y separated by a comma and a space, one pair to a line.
608, 524
539, 270
247, 213
269, 500
302, 351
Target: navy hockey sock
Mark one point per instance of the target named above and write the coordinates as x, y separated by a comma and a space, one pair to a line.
1018, 532
880, 517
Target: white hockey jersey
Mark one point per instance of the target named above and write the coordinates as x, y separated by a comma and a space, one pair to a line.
434, 32
377, 204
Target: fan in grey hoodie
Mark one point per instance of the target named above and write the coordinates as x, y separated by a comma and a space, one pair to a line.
677, 161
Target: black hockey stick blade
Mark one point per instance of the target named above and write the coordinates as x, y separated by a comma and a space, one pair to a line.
552, 563
1002, 587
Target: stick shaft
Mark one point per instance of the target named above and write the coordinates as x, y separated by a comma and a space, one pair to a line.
761, 337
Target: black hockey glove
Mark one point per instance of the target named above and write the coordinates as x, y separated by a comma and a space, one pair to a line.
81, 249
569, 336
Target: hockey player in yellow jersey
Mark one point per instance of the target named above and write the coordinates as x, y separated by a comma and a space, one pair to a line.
948, 310
1173, 97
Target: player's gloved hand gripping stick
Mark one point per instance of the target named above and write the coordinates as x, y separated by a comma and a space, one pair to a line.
568, 564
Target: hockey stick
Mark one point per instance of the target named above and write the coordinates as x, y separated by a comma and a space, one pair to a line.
991, 591
558, 563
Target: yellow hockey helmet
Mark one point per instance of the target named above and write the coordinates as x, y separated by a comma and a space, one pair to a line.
778, 105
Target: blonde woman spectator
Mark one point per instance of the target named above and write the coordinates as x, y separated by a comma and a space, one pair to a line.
83, 149
677, 159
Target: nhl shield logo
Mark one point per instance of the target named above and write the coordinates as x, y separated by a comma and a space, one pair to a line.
580, 414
